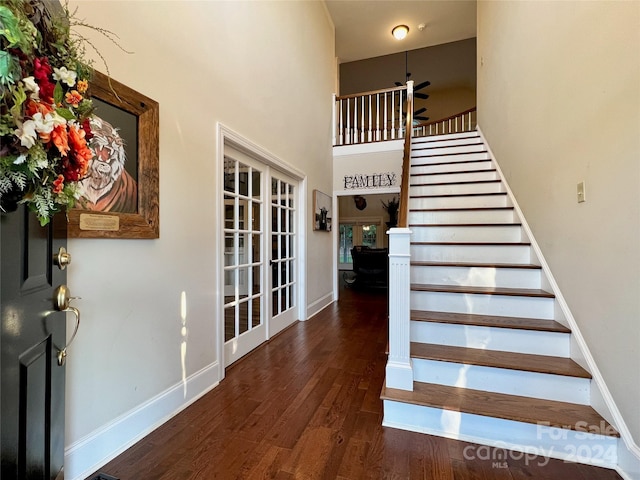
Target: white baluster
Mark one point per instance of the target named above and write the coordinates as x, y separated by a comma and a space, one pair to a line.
370, 120
377, 117
386, 127
348, 121
341, 126
362, 129
393, 116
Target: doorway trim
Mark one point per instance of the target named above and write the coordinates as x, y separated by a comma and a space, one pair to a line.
229, 137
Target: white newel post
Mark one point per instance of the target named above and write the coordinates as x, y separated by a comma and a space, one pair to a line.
399, 372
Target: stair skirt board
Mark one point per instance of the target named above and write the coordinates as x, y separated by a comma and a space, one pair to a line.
502, 305
531, 439
503, 380
492, 338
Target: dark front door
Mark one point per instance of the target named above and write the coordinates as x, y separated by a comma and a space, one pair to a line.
33, 333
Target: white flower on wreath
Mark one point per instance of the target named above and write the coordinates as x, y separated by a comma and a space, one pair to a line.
64, 75
31, 86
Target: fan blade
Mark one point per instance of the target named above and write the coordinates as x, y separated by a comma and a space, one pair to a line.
419, 111
398, 84
420, 86
423, 96
422, 119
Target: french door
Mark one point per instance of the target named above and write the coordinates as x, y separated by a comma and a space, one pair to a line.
259, 232
283, 252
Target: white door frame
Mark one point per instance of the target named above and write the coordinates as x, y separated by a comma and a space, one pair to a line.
227, 136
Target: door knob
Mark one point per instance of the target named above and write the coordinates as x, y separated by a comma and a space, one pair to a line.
62, 258
61, 300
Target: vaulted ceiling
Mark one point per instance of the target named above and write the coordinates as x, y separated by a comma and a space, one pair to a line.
363, 27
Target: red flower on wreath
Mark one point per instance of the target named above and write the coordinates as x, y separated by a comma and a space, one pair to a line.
42, 72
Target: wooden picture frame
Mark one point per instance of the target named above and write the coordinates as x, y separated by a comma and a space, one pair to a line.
322, 211
144, 116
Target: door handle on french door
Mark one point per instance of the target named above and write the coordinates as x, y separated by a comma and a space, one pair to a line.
61, 300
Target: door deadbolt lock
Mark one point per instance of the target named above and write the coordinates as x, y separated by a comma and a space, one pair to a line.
62, 258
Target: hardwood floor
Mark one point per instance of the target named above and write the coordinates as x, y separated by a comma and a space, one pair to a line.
306, 406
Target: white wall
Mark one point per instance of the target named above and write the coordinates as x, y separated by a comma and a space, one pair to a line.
559, 102
267, 71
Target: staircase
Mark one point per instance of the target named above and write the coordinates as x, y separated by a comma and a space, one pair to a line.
490, 353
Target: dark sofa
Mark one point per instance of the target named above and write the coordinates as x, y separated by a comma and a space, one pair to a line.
370, 266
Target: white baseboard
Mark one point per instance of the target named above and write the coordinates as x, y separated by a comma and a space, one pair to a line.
87, 455
323, 302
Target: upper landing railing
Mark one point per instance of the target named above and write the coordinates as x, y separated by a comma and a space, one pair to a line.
380, 115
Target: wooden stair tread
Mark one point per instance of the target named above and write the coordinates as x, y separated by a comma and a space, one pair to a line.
430, 146
529, 266
582, 418
428, 164
459, 195
512, 292
465, 225
468, 182
500, 244
499, 359
420, 140
460, 209
536, 324
456, 172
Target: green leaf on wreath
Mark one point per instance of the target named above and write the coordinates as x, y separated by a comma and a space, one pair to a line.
57, 93
66, 113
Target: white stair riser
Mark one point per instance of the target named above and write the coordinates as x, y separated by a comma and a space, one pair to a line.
502, 305
454, 177
483, 233
419, 151
459, 202
533, 439
445, 140
427, 158
472, 253
476, 276
457, 188
462, 216
491, 338
503, 380
451, 167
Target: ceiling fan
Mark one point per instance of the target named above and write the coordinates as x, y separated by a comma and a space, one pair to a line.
416, 91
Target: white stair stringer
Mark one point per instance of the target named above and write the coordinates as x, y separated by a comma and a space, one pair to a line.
478, 285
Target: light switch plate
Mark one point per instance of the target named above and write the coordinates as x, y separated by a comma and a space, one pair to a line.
582, 194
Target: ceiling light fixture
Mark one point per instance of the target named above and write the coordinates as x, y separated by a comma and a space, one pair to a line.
400, 31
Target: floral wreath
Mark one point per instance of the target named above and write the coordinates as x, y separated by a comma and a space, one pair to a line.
44, 109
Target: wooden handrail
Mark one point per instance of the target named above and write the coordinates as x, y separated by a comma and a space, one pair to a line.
373, 92
403, 214
451, 117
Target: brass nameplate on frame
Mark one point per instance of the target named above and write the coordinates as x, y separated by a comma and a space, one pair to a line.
110, 223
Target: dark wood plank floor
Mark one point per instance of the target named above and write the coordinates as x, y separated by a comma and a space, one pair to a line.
306, 406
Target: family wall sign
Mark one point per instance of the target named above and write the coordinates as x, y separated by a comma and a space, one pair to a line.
373, 180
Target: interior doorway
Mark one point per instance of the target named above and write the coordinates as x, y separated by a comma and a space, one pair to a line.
260, 294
